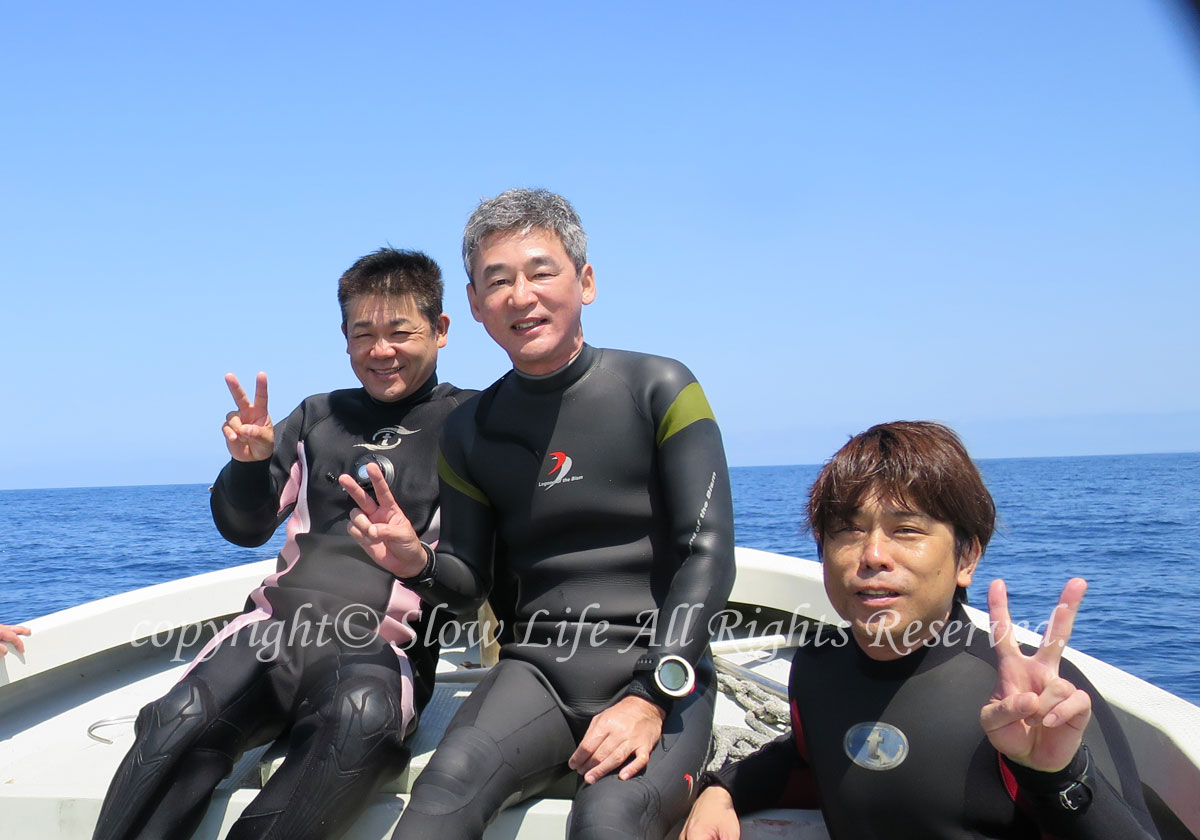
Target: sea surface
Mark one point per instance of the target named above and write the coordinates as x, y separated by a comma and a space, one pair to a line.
1129, 524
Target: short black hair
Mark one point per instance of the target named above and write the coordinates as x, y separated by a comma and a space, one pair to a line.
393, 272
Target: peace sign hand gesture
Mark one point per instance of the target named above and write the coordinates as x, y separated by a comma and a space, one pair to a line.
381, 528
1035, 717
249, 432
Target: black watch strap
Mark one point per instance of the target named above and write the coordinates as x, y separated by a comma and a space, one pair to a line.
1068, 791
425, 576
1077, 793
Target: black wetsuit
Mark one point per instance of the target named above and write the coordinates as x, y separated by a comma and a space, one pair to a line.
941, 778
331, 651
603, 492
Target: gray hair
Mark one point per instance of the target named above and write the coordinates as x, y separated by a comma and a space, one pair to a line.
520, 211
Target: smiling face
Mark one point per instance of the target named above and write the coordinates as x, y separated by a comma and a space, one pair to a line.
392, 346
527, 294
891, 571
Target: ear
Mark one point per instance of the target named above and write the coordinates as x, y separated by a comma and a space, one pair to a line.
442, 329
968, 563
587, 279
473, 299
346, 336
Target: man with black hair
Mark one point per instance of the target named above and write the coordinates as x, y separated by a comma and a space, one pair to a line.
331, 654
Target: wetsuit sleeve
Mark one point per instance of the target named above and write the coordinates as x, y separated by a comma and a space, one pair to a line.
1117, 810
461, 576
245, 498
698, 504
762, 779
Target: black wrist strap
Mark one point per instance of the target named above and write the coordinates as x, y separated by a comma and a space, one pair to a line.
426, 575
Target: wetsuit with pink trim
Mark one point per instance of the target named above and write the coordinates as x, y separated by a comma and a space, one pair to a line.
333, 654
894, 749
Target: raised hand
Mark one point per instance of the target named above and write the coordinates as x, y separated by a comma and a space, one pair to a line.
381, 528
249, 433
1034, 716
622, 734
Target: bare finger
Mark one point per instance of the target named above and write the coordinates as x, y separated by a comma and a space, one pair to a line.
581, 759
239, 393
614, 759
360, 525
13, 635
360, 496
1062, 622
1001, 713
260, 392
1004, 640
1054, 692
641, 757
383, 493
1075, 711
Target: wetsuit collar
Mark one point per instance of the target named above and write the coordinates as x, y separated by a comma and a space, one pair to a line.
564, 377
418, 396
957, 633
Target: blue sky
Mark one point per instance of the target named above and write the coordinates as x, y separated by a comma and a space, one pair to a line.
835, 213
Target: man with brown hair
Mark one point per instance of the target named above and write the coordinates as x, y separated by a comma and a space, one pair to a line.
887, 737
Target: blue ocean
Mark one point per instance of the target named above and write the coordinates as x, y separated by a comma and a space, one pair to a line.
1130, 524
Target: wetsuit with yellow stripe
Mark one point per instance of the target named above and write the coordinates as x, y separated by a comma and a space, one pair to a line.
593, 505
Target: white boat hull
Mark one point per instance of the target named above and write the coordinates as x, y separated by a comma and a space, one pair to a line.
107, 658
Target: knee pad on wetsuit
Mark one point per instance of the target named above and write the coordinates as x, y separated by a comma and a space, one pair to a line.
174, 721
369, 726
466, 761
625, 810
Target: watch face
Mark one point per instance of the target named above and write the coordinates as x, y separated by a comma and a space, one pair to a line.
673, 675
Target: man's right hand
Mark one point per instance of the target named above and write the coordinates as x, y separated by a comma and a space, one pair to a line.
249, 433
381, 528
712, 817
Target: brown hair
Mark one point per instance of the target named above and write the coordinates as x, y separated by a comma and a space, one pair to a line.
917, 463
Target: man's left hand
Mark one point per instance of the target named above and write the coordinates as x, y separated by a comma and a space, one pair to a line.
630, 727
1035, 717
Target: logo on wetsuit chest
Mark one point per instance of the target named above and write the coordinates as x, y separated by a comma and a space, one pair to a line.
561, 464
876, 745
389, 437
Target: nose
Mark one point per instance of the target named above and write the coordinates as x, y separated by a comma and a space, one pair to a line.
382, 348
875, 554
522, 292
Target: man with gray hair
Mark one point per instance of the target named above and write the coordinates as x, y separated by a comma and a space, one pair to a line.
587, 492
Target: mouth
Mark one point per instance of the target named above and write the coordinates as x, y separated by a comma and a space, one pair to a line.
877, 595
527, 324
388, 371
